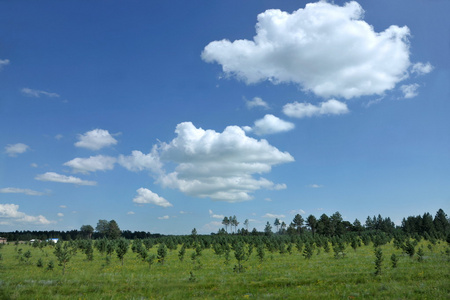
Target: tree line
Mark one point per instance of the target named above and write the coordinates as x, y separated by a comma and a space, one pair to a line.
328, 226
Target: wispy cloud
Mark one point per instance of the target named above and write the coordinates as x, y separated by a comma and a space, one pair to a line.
11, 190
3, 62
303, 110
410, 90
14, 149
256, 102
37, 93
55, 177
273, 216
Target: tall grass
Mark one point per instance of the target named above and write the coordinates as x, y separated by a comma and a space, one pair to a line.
278, 276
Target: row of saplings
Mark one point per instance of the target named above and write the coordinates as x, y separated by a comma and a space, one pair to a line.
242, 247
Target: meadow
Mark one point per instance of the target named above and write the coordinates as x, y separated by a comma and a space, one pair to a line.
211, 276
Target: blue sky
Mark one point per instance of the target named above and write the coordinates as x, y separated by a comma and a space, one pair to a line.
166, 116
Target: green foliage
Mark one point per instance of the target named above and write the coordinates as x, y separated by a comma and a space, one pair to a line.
279, 277
394, 260
409, 248
151, 260
260, 252
162, 253
50, 265
378, 260
40, 263
63, 254
240, 255
122, 248
309, 250
420, 254
182, 252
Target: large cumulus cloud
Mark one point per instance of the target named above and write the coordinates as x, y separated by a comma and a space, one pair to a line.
325, 48
218, 165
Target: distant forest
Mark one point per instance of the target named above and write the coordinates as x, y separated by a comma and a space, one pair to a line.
426, 226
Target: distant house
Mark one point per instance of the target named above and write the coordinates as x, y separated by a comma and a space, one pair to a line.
53, 240
3, 240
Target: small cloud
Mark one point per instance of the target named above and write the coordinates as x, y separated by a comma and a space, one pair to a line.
315, 186
95, 139
409, 90
14, 149
34, 165
147, 196
63, 206
268, 199
303, 110
212, 226
183, 212
130, 213
60, 215
58, 136
55, 177
269, 125
11, 190
3, 62
166, 217
421, 68
215, 216
256, 102
91, 164
273, 216
36, 93
297, 211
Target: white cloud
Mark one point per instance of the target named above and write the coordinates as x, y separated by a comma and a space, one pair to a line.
55, 177
421, 68
130, 213
3, 62
219, 165
58, 136
297, 211
270, 125
273, 216
315, 186
11, 190
60, 215
63, 206
302, 110
36, 93
95, 139
139, 161
325, 48
212, 226
91, 164
13, 150
256, 102
146, 196
34, 165
11, 214
410, 90
215, 216
166, 217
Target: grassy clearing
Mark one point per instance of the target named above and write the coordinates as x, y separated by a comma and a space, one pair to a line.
279, 276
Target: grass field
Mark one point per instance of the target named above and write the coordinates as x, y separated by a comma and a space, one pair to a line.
279, 276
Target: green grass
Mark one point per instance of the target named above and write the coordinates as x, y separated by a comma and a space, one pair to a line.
277, 277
